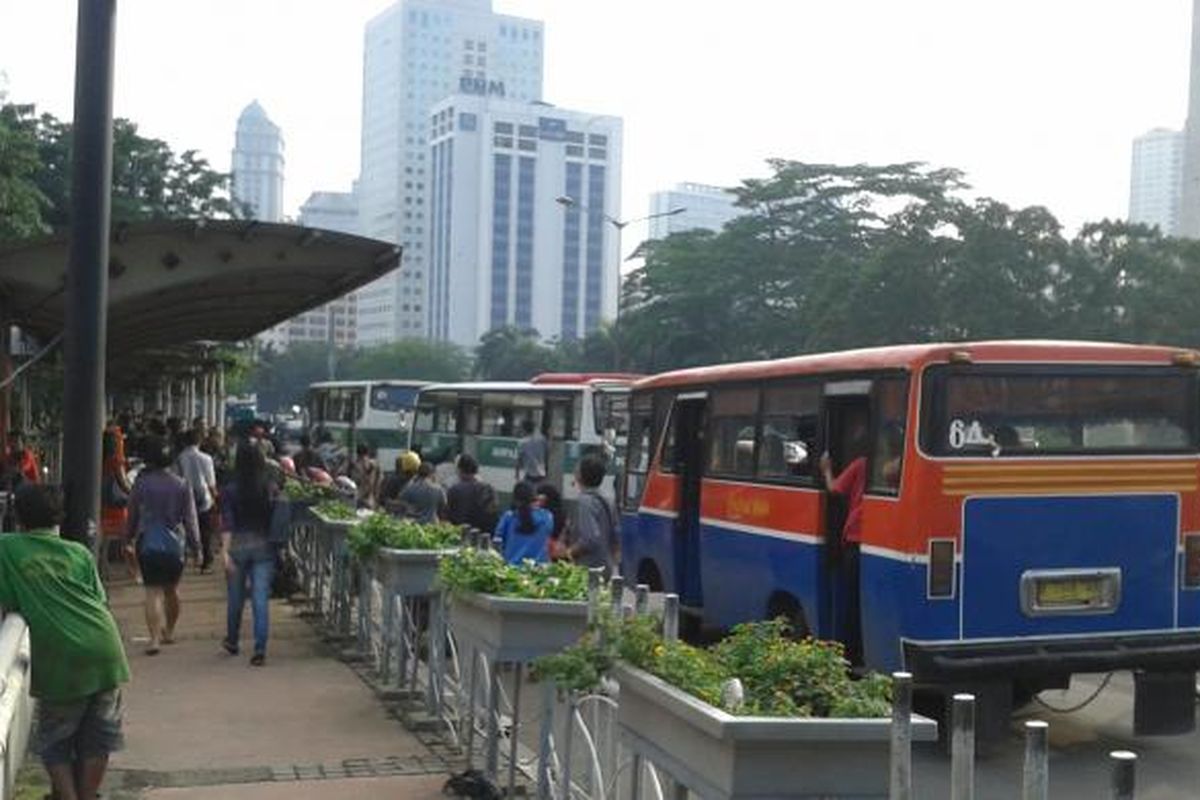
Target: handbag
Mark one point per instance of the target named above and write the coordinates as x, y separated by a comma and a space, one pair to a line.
161, 541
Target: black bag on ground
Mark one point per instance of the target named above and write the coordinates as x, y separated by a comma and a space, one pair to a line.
287, 575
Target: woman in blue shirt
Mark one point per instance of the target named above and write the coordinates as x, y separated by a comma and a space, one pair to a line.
524, 531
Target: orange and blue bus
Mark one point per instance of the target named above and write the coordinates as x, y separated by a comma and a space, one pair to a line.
1030, 509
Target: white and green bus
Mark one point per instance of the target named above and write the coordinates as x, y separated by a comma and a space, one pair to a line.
377, 412
577, 413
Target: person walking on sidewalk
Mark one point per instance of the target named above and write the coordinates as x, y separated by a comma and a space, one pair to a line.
246, 548
78, 662
196, 467
162, 513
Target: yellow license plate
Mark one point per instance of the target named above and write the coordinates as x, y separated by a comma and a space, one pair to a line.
1069, 593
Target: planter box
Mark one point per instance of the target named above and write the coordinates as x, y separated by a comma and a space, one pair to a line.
719, 755
516, 629
408, 572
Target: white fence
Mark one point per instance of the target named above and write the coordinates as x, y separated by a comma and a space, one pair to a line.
16, 707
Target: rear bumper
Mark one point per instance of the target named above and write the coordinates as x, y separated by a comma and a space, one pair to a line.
1051, 657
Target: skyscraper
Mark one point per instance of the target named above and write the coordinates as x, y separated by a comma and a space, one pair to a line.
258, 164
1154, 179
415, 54
523, 201
1189, 202
704, 207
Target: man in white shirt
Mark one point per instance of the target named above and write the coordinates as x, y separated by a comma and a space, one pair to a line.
196, 468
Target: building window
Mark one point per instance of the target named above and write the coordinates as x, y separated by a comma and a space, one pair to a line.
467, 122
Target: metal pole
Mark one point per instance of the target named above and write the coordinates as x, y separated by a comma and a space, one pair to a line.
513, 738
962, 748
1037, 767
544, 736
85, 334
641, 599
901, 749
616, 589
1124, 767
595, 580
671, 617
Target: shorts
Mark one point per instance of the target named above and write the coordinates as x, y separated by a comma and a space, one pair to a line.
159, 570
79, 729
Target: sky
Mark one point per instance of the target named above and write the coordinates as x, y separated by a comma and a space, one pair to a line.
1036, 100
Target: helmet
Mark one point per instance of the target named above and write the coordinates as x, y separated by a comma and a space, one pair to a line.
288, 466
346, 487
319, 476
408, 462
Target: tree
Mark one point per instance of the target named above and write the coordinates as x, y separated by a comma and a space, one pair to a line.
21, 202
512, 354
413, 359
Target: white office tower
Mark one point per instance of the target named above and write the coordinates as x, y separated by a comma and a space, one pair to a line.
704, 207
1156, 179
417, 53
524, 202
258, 164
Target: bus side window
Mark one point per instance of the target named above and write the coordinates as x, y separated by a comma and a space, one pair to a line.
732, 432
790, 415
637, 461
890, 408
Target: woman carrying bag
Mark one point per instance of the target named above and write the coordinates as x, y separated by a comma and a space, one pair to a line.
248, 549
161, 513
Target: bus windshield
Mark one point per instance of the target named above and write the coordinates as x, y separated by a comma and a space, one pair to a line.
1005, 411
385, 397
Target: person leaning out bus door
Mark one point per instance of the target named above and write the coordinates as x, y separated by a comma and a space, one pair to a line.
850, 485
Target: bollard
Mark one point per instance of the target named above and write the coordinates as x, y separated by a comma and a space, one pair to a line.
616, 591
901, 744
1124, 767
671, 617
962, 747
641, 599
1037, 765
595, 580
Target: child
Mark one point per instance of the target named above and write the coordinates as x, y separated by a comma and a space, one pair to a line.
524, 531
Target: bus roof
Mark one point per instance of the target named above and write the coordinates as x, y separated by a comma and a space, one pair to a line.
912, 356
503, 386
559, 378
372, 382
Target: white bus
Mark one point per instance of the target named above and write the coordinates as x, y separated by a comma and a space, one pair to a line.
578, 414
349, 413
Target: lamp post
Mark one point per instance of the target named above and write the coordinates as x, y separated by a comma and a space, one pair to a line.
619, 225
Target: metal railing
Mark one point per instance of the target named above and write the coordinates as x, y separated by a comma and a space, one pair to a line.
575, 750
16, 706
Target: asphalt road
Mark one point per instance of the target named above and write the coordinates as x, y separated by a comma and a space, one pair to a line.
1168, 767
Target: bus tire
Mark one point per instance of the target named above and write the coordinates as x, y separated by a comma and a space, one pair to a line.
782, 604
647, 573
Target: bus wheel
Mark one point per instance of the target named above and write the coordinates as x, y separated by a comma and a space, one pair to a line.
648, 574
784, 605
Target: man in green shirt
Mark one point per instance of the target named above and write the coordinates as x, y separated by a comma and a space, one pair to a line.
78, 660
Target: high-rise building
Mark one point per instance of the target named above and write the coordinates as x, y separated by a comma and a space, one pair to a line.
1189, 201
523, 201
330, 211
258, 164
1154, 179
417, 53
704, 207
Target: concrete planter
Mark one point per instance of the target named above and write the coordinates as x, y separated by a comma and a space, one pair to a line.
516, 629
408, 572
718, 755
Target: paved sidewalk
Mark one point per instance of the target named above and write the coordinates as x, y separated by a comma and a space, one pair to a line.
199, 723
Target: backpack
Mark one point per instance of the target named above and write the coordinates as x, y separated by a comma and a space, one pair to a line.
159, 540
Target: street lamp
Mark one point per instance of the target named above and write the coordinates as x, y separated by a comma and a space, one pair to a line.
619, 225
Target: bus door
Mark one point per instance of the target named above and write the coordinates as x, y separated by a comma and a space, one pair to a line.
846, 415
470, 411
687, 439
556, 427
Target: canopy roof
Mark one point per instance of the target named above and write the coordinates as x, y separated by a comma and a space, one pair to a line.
177, 282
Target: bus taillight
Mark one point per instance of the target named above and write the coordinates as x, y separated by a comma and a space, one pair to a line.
941, 568
1191, 560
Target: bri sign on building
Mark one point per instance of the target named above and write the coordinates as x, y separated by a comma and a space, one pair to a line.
481, 86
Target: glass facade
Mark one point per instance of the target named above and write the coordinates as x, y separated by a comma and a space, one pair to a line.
501, 222
572, 238
525, 201
593, 287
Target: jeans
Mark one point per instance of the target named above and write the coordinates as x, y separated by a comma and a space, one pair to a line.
255, 566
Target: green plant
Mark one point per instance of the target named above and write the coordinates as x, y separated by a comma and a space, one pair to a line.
336, 510
780, 676
384, 531
307, 492
486, 572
